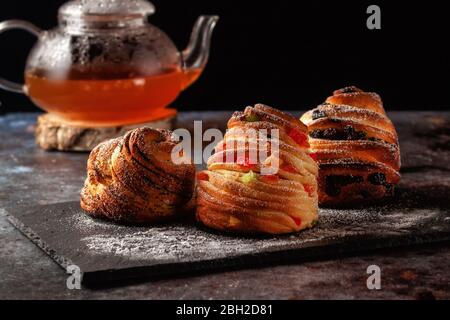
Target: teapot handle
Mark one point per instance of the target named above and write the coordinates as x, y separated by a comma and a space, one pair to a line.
23, 25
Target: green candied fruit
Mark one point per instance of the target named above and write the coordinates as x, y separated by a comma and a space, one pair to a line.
249, 177
314, 223
252, 118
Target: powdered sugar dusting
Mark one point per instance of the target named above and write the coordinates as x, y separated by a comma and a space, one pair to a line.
187, 242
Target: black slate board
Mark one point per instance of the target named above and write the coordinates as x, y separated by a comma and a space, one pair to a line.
106, 252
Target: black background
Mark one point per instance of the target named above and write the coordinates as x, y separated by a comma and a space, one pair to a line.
289, 54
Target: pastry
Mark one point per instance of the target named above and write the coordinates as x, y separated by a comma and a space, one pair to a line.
133, 179
356, 146
237, 194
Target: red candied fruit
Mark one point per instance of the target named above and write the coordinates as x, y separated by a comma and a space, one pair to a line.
314, 156
273, 178
297, 221
309, 188
300, 138
202, 176
245, 163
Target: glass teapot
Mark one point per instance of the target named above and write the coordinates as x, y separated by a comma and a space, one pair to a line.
106, 65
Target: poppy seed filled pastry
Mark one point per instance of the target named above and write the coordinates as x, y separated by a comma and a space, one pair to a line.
236, 194
356, 146
133, 179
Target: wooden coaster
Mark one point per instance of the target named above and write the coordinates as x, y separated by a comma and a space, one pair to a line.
53, 133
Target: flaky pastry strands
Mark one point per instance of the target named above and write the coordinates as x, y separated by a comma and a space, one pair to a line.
133, 179
356, 146
237, 196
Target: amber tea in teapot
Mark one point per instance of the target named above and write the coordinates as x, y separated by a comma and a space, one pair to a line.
105, 64
124, 98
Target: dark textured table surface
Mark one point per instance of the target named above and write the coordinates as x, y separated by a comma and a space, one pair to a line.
29, 176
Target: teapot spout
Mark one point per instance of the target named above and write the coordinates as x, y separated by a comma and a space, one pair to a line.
196, 55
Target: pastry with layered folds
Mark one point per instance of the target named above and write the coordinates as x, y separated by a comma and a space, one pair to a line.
356, 146
275, 194
133, 179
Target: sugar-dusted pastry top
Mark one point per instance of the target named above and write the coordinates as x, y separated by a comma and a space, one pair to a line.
238, 196
356, 145
133, 179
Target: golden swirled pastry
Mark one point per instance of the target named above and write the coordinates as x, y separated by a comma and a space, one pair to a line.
356, 146
238, 192
133, 179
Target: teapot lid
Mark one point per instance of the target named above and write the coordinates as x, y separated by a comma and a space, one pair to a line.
106, 10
